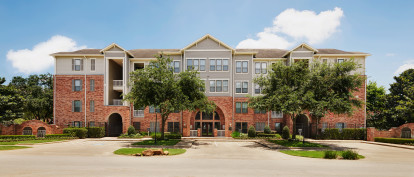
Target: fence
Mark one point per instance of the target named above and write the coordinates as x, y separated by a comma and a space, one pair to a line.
221, 133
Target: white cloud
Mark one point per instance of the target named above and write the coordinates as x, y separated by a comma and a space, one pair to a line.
409, 64
299, 25
390, 54
38, 59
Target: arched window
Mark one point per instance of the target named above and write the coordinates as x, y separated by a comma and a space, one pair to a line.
406, 132
41, 132
27, 131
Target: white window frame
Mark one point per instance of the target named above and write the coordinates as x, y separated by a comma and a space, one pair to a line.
80, 64
215, 65
94, 64
276, 115
254, 89
241, 86
343, 60
261, 67
198, 68
215, 85
241, 69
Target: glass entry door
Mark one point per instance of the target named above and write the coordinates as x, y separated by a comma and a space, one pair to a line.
207, 129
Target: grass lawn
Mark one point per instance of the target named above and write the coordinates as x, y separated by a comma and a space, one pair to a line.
311, 154
2, 148
159, 142
129, 151
287, 143
30, 141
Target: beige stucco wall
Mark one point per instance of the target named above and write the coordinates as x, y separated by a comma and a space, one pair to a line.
64, 65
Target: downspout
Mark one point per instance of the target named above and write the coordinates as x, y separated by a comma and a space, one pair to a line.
182, 66
84, 71
232, 93
54, 95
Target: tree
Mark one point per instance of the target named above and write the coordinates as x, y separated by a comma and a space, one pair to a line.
376, 105
284, 90
157, 85
38, 91
333, 87
319, 89
10, 102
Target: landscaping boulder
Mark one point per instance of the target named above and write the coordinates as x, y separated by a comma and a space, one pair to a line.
166, 152
158, 152
137, 154
148, 152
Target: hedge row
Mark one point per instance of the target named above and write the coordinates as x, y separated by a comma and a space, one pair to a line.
345, 134
395, 140
96, 132
76, 132
58, 136
17, 137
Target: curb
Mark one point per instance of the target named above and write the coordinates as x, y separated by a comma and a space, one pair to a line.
275, 146
390, 145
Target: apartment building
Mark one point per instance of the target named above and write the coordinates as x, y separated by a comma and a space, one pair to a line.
89, 85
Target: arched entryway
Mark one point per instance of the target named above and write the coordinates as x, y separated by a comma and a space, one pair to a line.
27, 131
114, 125
406, 132
302, 125
208, 123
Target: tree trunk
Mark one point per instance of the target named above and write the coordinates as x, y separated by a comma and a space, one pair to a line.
163, 120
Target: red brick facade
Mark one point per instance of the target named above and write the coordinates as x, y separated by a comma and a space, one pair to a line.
33, 124
394, 132
225, 108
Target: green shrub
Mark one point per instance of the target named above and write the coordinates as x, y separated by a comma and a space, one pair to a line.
267, 130
330, 155
76, 132
131, 130
345, 134
299, 137
264, 135
395, 140
17, 137
244, 135
235, 134
58, 136
251, 132
350, 155
167, 136
96, 132
285, 133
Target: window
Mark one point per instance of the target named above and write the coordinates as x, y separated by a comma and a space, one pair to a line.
225, 65
176, 66
260, 68
92, 106
340, 125
76, 106
257, 89
219, 85
77, 64
238, 107
202, 88
217, 125
242, 67
152, 109
242, 87
77, 124
173, 127
91, 123
212, 65
260, 126
241, 127
76, 85
92, 64
137, 126
196, 64
244, 107
278, 127
218, 64
256, 111
324, 126
341, 60
276, 114
92, 85
325, 60
154, 128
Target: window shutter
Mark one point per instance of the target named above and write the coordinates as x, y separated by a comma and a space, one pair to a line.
73, 85
80, 103
81, 64
73, 64
73, 106
80, 85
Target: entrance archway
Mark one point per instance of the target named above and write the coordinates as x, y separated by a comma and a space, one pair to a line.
208, 122
114, 125
302, 125
406, 132
41, 132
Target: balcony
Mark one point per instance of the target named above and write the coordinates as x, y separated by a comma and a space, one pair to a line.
138, 113
117, 102
118, 85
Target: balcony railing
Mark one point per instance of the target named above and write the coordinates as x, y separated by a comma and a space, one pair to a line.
117, 84
138, 113
117, 102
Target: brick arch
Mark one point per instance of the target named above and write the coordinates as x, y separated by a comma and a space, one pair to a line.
115, 124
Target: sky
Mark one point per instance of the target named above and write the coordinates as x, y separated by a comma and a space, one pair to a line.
31, 30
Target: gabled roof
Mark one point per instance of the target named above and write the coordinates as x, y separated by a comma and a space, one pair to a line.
150, 53
336, 51
207, 36
301, 45
263, 53
114, 45
80, 52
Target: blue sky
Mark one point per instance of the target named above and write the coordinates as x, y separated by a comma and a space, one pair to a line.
381, 28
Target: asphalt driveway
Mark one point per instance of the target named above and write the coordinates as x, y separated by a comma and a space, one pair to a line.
205, 158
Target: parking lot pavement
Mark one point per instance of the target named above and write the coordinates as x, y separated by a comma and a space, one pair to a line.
205, 158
